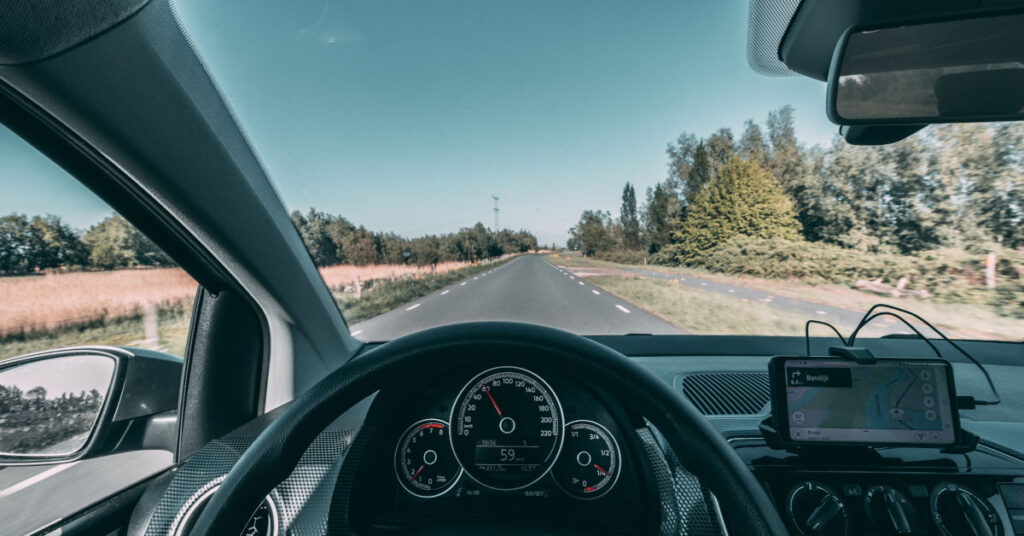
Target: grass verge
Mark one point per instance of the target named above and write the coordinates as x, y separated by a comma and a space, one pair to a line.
385, 295
977, 321
700, 311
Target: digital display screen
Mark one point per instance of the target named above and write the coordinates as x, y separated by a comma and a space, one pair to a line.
885, 402
504, 458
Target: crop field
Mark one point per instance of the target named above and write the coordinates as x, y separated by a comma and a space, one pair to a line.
40, 312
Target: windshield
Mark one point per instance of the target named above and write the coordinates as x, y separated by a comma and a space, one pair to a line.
606, 169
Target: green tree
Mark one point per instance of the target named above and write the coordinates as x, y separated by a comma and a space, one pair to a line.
21, 245
593, 233
743, 199
629, 218
752, 144
661, 215
61, 245
115, 243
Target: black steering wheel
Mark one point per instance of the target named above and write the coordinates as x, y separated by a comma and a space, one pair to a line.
702, 450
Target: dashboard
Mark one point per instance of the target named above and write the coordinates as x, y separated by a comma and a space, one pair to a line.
490, 442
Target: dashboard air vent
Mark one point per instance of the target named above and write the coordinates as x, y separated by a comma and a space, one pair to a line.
727, 393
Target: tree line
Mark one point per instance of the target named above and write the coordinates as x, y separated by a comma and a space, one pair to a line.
958, 186
47, 242
332, 239
36, 243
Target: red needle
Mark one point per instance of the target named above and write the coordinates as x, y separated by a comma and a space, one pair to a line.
418, 471
599, 469
489, 395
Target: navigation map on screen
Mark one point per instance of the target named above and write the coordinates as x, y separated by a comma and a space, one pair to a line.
887, 402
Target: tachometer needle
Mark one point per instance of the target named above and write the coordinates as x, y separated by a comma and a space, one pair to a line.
598, 467
417, 473
495, 404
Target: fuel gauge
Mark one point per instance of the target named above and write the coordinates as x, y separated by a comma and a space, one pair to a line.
589, 464
424, 461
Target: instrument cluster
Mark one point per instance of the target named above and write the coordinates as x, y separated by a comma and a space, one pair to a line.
507, 431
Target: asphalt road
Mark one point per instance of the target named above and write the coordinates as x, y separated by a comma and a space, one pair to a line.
525, 289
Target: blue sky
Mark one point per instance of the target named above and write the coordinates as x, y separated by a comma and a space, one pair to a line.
408, 116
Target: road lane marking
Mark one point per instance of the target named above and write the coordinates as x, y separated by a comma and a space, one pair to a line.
731, 290
443, 292
35, 479
462, 284
410, 308
356, 332
581, 282
475, 278
821, 312
571, 277
621, 308
596, 293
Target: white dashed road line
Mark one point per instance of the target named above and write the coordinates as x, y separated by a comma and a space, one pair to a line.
621, 308
443, 292
821, 312
411, 307
356, 332
596, 293
581, 282
462, 284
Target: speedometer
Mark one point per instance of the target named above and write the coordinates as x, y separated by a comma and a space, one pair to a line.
508, 428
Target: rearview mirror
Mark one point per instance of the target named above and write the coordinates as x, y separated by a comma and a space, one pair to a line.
934, 72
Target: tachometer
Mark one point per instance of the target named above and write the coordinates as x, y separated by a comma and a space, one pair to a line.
508, 428
424, 462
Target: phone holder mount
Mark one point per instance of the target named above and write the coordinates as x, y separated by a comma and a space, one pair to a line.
966, 442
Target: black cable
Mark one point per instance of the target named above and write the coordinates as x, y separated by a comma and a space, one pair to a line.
935, 350
868, 317
807, 333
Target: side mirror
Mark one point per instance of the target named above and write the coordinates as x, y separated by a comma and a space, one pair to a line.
73, 403
952, 70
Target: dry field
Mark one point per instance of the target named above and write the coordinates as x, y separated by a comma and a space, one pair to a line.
345, 275
39, 304
33, 304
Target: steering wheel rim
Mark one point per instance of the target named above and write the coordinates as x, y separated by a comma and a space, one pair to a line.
276, 451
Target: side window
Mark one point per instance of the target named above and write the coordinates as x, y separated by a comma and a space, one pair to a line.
73, 272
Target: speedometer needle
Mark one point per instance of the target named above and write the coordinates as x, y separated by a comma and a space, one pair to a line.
495, 404
598, 467
417, 473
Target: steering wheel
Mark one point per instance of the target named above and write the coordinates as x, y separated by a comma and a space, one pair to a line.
702, 450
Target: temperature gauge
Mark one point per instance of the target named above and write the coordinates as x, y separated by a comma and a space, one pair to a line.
424, 461
589, 464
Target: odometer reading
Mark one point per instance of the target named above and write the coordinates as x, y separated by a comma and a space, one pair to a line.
508, 428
